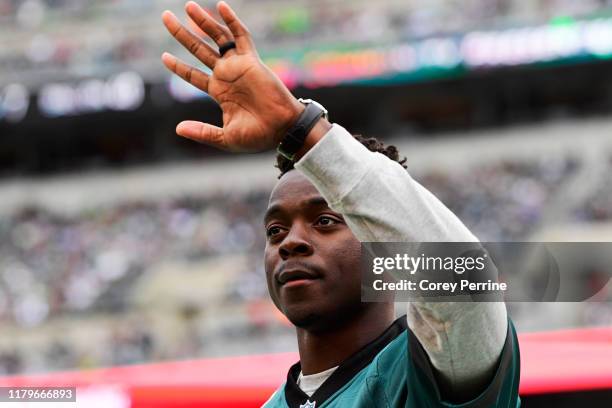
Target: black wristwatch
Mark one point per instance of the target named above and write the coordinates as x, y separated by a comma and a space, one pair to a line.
296, 135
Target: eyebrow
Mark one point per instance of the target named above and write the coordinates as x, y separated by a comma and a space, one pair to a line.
317, 201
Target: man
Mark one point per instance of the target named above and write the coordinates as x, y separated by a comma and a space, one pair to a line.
333, 194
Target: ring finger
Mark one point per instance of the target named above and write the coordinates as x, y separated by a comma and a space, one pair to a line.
218, 32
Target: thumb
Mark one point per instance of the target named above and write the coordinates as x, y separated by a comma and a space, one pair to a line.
202, 133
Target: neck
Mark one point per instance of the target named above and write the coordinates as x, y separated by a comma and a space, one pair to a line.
321, 351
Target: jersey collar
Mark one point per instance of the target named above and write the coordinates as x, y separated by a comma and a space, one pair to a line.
296, 398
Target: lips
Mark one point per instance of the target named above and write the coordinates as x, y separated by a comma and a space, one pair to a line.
287, 275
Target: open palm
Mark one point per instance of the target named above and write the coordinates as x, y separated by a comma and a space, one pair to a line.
257, 107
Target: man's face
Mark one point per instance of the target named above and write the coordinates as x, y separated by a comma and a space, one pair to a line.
312, 258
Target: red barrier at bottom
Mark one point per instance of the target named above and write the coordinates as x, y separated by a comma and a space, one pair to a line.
551, 362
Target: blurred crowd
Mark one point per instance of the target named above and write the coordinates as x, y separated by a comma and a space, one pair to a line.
504, 201
51, 264
413, 17
56, 266
598, 206
91, 37
122, 343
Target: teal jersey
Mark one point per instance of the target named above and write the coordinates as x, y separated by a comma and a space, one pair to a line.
394, 371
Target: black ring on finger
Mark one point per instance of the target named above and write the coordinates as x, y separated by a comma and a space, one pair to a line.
223, 48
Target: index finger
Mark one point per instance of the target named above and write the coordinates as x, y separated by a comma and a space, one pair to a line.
242, 36
195, 45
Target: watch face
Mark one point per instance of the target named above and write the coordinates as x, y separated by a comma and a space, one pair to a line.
315, 103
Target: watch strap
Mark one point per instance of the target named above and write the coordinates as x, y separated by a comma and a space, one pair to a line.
296, 135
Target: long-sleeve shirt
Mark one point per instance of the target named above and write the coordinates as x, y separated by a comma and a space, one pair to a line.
381, 202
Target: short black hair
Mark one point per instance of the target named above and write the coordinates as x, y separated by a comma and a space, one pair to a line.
372, 143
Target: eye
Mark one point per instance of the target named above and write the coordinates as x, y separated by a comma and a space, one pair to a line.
273, 230
327, 220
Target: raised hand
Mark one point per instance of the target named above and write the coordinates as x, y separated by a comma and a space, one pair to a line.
257, 107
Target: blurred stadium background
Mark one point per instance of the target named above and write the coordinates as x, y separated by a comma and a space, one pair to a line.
121, 243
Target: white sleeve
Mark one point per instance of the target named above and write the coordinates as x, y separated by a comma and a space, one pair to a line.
381, 202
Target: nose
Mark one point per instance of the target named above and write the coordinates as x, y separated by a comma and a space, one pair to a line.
295, 243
